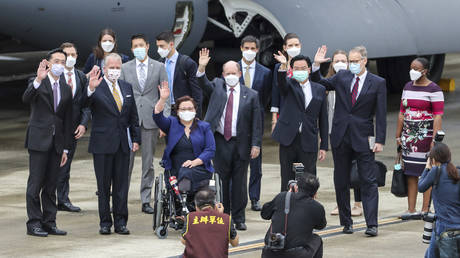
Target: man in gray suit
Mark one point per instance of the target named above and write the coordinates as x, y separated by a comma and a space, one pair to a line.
145, 74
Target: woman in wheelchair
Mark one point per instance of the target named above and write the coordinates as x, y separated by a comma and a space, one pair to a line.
190, 142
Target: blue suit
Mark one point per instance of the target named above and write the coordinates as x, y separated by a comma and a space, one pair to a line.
262, 84
277, 99
202, 138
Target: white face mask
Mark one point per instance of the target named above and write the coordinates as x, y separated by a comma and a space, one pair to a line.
415, 75
107, 46
186, 115
113, 74
339, 66
249, 55
231, 80
293, 51
57, 69
163, 52
70, 61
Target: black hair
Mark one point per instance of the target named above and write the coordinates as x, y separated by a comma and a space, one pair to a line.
205, 197
441, 153
54, 51
139, 36
425, 63
250, 39
97, 50
309, 184
300, 57
166, 36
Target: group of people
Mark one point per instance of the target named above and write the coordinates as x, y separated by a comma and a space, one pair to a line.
133, 103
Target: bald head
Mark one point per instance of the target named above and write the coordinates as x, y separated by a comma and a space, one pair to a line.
231, 67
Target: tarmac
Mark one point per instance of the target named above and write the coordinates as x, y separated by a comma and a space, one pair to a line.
396, 238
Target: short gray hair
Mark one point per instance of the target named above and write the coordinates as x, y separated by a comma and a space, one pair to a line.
113, 56
360, 49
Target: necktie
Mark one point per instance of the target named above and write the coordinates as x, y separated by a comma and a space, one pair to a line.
116, 96
170, 79
354, 92
69, 82
247, 77
55, 96
142, 76
229, 116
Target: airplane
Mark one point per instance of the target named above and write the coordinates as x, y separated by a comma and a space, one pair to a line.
394, 32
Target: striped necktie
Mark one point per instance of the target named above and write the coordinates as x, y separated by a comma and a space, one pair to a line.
116, 96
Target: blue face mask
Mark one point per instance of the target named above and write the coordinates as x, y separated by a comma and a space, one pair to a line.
140, 53
355, 68
300, 76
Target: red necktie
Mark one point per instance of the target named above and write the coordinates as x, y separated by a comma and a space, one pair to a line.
354, 92
69, 82
228, 116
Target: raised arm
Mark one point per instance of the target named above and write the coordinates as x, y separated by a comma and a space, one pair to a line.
320, 57
163, 122
282, 78
42, 72
203, 81
197, 92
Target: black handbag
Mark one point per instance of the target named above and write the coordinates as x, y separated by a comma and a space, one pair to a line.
399, 181
380, 173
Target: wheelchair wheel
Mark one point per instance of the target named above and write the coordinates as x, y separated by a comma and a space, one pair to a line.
158, 206
161, 232
218, 183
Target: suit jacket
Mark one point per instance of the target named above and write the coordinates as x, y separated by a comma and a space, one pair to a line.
248, 123
146, 99
277, 99
109, 126
203, 144
92, 61
45, 125
294, 113
358, 119
262, 83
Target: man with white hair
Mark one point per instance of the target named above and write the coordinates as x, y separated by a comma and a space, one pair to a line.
114, 114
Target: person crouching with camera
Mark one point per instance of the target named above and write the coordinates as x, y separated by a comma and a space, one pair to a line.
444, 177
294, 215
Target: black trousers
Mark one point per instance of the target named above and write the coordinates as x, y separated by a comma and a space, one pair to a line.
41, 188
314, 249
293, 154
343, 156
112, 169
255, 177
233, 171
63, 178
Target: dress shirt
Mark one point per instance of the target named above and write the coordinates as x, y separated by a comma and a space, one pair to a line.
138, 68
236, 103
252, 70
362, 78
109, 83
306, 88
74, 83
172, 68
52, 81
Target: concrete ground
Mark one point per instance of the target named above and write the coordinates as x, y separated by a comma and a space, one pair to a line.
396, 238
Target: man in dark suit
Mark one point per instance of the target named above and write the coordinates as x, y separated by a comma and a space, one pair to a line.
304, 112
181, 70
77, 81
258, 78
114, 115
48, 140
360, 96
234, 115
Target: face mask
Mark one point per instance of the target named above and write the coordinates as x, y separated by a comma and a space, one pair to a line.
113, 74
107, 46
70, 61
300, 76
231, 80
293, 51
414, 75
339, 66
57, 69
355, 68
187, 115
140, 53
163, 52
249, 55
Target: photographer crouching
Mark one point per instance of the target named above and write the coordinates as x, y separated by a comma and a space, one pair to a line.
444, 177
294, 215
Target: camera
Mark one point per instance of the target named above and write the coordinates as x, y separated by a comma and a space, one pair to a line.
298, 170
276, 241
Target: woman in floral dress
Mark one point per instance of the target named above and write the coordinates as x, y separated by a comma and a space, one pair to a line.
420, 117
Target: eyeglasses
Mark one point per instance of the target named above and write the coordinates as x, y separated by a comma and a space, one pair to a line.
355, 61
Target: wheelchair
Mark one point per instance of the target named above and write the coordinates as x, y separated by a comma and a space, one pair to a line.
171, 205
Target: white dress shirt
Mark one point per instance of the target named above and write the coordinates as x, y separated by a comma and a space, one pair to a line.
362, 78
109, 83
138, 68
72, 76
252, 70
236, 103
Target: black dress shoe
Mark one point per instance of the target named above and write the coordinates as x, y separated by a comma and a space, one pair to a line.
371, 231
240, 226
255, 205
104, 231
146, 208
37, 231
55, 231
122, 230
348, 230
68, 207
